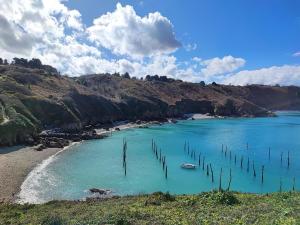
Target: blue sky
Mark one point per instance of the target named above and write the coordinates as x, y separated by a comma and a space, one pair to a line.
265, 33
233, 42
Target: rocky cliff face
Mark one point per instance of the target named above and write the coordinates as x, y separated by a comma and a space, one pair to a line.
32, 100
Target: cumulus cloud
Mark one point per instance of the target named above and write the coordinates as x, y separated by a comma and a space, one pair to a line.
56, 34
13, 38
219, 66
283, 75
125, 33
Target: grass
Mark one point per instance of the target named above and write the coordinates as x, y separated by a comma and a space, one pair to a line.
158, 208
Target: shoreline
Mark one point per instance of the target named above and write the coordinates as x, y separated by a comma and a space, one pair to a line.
17, 165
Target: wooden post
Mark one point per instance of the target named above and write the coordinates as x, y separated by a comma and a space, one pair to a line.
242, 159
184, 146
247, 146
254, 173
281, 158
269, 153
160, 155
262, 174
222, 148
203, 161
230, 178
294, 184
220, 180
166, 172
234, 159
207, 170
212, 173
199, 161
230, 156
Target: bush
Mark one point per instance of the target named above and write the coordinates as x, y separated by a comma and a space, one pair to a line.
224, 198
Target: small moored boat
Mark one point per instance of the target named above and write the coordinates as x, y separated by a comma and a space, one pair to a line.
188, 166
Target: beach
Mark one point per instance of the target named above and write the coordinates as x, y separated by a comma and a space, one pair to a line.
15, 165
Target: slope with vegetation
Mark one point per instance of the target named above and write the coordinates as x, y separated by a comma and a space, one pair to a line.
34, 97
158, 208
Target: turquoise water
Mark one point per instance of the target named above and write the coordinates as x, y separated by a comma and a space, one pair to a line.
98, 163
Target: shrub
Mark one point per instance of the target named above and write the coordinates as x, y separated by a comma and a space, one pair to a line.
224, 198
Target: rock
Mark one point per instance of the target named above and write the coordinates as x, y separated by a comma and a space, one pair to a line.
99, 191
39, 147
117, 129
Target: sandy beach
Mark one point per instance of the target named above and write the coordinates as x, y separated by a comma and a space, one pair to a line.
15, 165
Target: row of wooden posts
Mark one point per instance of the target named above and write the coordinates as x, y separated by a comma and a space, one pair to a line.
206, 167
160, 157
225, 152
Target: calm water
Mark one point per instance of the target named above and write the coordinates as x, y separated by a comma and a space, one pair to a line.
98, 163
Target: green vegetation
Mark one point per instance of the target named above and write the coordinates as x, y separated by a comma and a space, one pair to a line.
158, 208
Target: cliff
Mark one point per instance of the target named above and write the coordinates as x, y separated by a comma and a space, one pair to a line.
33, 99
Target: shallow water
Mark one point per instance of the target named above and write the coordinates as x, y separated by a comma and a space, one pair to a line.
98, 163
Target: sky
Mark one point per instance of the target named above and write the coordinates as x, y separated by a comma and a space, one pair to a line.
232, 42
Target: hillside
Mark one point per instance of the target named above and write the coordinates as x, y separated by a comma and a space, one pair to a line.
205, 208
34, 99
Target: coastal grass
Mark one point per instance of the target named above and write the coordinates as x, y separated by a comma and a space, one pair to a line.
159, 208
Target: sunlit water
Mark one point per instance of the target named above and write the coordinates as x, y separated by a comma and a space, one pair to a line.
98, 163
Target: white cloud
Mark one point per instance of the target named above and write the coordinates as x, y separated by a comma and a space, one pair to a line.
219, 66
125, 33
52, 32
283, 75
296, 54
190, 47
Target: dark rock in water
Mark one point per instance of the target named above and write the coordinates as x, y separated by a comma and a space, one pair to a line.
99, 191
117, 129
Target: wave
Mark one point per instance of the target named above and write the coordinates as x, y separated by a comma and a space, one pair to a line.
31, 189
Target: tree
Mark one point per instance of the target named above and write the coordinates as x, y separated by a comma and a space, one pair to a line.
5, 62
35, 63
202, 83
126, 75
1, 61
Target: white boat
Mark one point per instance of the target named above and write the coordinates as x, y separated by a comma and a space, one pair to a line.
188, 166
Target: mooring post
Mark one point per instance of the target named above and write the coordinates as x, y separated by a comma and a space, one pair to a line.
254, 173
262, 174
222, 148
242, 159
199, 160
294, 184
234, 159
220, 180
207, 170
281, 158
203, 161
269, 153
230, 178
166, 172
212, 173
